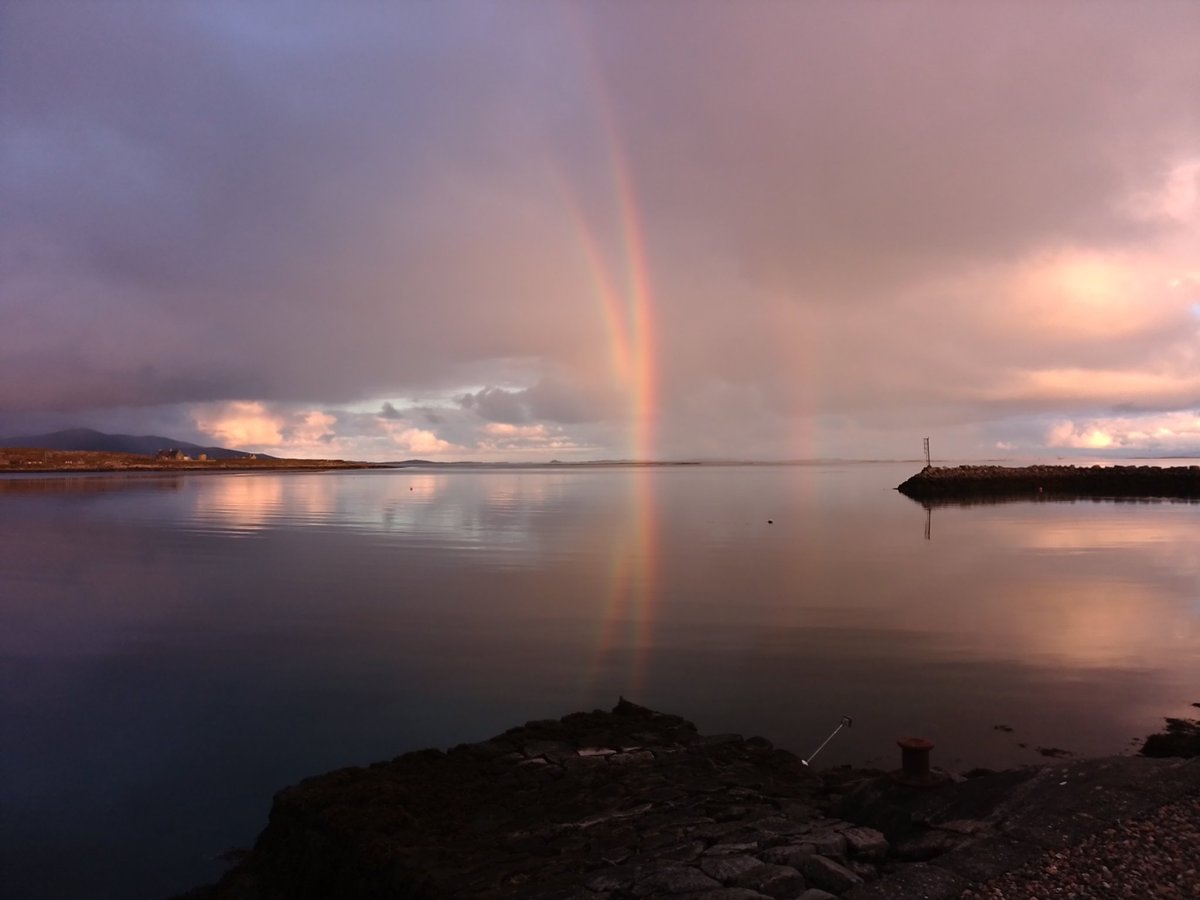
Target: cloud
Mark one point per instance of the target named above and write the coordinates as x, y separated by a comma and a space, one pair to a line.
1171, 432
1067, 434
311, 426
417, 440
548, 399
287, 431
392, 433
497, 405
791, 229
241, 424
505, 438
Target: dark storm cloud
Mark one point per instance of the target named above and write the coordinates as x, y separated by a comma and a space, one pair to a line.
278, 196
548, 400
497, 405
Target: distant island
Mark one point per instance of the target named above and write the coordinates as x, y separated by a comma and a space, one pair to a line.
86, 450
137, 444
32, 459
946, 483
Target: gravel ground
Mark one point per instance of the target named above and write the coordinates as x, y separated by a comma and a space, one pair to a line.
1156, 857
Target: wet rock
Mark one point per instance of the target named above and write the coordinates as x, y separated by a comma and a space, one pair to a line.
674, 880
827, 843
726, 869
1181, 738
863, 870
688, 852
816, 894
792, 855
797, 811
829, 874
865, 843
555, 751
776, 825
616, 878
721, 832
732, 849
773, 881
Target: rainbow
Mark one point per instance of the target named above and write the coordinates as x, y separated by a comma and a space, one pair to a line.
639, 297
626, 307
627, 313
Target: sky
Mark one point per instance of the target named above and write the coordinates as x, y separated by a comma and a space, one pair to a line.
603, 230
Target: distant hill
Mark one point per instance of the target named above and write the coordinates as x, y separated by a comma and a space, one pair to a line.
144, 444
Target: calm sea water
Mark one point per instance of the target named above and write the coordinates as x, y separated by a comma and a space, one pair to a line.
173, 649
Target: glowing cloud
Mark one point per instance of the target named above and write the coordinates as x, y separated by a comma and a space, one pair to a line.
240, 423
251, 425
418, 440
506, 437
1166, 432
1067, 434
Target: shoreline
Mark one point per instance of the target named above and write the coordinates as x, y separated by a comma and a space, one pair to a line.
634, 803
34, 461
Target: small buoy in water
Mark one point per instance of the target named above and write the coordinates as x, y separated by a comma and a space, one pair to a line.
770, 521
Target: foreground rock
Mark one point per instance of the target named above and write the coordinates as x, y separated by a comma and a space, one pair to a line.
635, 803
934, 483
1181, 737
631, 803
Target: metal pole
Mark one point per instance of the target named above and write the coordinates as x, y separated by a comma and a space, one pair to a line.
845, 723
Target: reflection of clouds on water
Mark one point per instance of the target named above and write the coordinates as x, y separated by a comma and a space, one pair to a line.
241, 503
1079, 532
491, 511
381, 611
1079, 585
421, 486
633, 578
1091, 624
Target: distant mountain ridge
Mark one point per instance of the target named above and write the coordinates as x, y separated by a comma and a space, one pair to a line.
143, 444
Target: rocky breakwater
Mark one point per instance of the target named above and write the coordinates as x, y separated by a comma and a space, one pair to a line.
621, 804
945, 483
